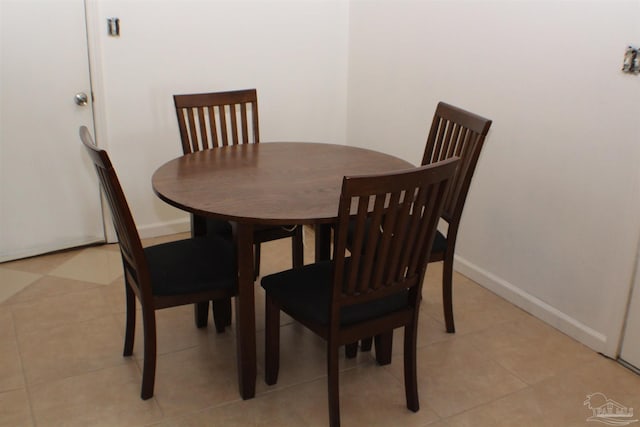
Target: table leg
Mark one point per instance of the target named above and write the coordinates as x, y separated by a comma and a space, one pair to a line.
245, 313
323, 241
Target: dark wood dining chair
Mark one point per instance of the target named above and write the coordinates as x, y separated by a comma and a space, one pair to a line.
460, 133
375, 286
454, 132
209, 120
167, 275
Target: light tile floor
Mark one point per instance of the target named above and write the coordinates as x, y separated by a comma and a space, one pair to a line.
61, 336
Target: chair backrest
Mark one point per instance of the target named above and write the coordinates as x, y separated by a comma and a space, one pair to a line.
208, 120
134, 262
396, 215
459, 133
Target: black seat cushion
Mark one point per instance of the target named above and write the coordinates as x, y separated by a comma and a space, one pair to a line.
306, 291
192, 265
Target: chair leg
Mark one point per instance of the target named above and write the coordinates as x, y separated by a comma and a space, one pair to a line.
256, 260
410, 367
333, 383
384, 345
272, 341
201, 314
221, 313
365, 344
130, 326
447, 293
149, 366
201, 309
297, 247
351, 350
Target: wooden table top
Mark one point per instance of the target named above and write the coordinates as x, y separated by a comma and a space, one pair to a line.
267, 183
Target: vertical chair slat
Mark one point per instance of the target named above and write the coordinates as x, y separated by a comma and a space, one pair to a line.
385, 244
213, 126
233, 113
254, 115
454, 141
203, 129
431, 141
457, 182
399, 231
463, 142
448, 136
360, 233
244, 121
407, 232
410, 221
438, 141
184, 133
391, 227
224, 133
340, 247
427, 197
370, 250
192, 129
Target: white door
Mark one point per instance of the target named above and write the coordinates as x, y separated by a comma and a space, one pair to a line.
630, 351
631, 342
49, 195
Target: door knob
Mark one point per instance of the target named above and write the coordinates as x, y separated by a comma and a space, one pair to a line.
81, 98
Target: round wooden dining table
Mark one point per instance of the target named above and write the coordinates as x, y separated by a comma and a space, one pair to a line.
269, 183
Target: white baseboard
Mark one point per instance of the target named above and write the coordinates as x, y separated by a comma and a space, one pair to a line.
164, 228
533, 305
49, 248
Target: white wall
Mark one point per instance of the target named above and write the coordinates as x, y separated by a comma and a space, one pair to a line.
293, 52
553, 217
